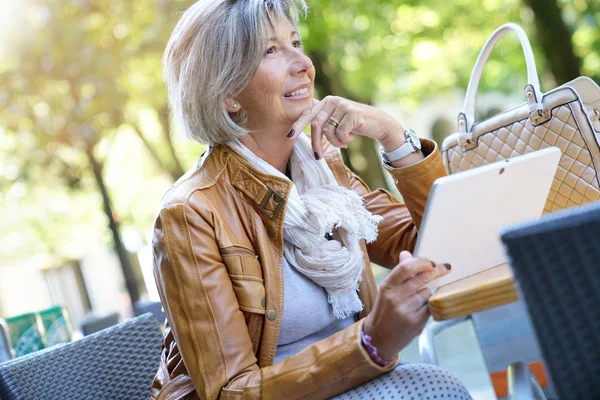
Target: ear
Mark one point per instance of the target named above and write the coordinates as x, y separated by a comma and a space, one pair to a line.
232, 106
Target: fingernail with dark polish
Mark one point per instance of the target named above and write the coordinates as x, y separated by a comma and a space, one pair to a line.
433, 264
448, 266
291, 133
316, 156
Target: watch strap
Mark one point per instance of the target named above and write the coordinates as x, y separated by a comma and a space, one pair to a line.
398, 154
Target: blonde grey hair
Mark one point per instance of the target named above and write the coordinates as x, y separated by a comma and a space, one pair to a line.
212, 54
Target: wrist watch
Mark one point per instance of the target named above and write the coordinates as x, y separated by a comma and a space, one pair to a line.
412, 144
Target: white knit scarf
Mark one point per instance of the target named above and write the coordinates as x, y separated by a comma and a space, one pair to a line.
317, 206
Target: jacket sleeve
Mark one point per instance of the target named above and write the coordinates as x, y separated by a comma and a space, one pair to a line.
202, 309
401, 221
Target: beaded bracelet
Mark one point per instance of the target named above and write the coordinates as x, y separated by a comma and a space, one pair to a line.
372, 350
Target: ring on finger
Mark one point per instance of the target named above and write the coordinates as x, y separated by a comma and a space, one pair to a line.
333, 121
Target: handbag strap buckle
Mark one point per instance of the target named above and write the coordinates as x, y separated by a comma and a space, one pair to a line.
539, 117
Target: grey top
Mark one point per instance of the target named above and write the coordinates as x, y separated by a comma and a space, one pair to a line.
307, 315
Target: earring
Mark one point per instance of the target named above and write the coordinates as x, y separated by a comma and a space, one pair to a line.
235, 105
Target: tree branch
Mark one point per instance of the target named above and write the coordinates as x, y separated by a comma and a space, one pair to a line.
136, 128
163, 116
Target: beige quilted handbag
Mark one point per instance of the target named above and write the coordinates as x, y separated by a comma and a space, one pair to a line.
566, 117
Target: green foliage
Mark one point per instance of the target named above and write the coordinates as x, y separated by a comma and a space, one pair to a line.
583, 18
85, 76
408, 51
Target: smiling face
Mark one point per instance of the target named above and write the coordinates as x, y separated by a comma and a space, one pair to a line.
282, 87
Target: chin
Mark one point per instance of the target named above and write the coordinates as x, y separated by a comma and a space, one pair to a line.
293, 109
294, 115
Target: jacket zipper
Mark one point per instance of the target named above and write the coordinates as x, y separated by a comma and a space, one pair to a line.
238, 251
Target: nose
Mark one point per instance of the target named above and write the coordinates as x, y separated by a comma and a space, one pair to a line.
301, 63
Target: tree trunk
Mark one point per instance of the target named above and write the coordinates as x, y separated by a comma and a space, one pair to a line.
163, 116
328, 83
555, 38
173, 173
126, 267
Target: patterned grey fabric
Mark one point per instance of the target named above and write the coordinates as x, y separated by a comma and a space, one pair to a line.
555, 261
116, 363
410, 382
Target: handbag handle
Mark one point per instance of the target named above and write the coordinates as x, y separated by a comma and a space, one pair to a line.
466, 118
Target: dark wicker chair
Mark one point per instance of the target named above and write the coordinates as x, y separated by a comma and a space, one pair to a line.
95, 323
116, 363
556, 262
154, 307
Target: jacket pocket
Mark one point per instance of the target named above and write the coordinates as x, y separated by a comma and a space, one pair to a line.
245, 272
228, 394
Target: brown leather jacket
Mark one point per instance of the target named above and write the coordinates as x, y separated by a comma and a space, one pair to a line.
218, 251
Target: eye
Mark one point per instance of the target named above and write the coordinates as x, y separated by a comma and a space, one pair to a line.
298, 44
271, 50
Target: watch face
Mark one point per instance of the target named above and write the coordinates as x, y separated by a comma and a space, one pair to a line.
412, 137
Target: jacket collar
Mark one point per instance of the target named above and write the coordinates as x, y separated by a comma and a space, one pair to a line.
268, 193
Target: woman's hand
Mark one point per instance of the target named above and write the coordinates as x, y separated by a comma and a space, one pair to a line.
354, 118
400, 310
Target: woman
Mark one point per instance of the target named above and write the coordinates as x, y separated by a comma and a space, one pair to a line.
262, 249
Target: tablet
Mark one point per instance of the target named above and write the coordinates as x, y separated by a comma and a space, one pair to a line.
466, 211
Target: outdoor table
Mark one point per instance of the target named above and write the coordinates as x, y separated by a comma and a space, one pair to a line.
487, 289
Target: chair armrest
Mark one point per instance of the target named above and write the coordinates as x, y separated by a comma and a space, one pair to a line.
522, 383
426, 344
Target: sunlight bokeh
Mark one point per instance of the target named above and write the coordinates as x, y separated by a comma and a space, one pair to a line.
11, 16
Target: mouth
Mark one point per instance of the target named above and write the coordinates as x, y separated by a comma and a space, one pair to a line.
299, 93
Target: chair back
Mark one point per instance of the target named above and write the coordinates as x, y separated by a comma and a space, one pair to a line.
116, 363
94, 323
556, 265
154, 307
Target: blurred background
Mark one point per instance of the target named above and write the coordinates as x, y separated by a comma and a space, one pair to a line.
86, 144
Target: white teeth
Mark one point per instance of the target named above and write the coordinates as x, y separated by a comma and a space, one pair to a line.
297, 92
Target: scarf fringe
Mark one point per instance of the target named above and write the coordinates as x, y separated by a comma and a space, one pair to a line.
344, 303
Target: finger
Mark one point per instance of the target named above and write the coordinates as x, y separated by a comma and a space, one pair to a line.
344, 134
408, 268
404, 255
418, 319
316, 141
422, 316
305, 119
413, 286
316, 128
319, 121
330, 129
333, 139
418, 297
348, 124
439, 271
